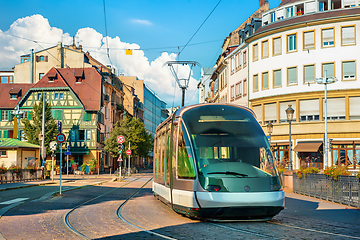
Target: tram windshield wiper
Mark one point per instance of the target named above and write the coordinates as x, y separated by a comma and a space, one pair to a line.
230, 173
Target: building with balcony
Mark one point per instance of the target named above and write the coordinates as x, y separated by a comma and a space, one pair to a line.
298, 42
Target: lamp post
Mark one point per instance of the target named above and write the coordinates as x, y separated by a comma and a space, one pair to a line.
325, 80
289, 114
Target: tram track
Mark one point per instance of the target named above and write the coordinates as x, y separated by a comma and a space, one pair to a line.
254, 230
66, 217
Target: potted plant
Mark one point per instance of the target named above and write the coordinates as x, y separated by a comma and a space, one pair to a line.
83, 168
31, 168
92, 165
3, 170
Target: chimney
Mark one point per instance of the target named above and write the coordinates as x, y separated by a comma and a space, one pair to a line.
262, 2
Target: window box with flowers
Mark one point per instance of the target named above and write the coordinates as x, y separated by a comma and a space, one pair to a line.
299, 13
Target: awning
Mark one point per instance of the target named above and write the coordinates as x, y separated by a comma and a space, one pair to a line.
51, 75
337, 142
307, 147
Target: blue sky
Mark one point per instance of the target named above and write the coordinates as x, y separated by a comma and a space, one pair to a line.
153, 26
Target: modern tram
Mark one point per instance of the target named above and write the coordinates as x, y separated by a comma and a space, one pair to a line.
214, 161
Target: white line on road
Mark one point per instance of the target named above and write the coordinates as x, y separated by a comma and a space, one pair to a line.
14, 201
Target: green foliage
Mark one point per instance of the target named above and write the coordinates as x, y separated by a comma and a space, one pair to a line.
336, 171
83, 167
15, 169
358, 174
303, 172
92, 164
32, 168
3, 169
32, 128
281, 170
134, 132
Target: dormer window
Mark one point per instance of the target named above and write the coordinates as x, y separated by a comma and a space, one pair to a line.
13, 96
79, 75
14, 93
51, 76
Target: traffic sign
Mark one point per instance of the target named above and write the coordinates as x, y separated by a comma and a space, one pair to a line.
60, 138
128, 152
120, 139
67, 153
68, 148
53, 145
120, 159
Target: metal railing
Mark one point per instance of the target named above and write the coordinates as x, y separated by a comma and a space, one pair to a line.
345, 190
22, 176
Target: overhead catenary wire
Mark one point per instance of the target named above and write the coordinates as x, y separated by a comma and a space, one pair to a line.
199, 27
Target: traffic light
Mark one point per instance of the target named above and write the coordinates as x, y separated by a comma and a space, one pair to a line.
120, 147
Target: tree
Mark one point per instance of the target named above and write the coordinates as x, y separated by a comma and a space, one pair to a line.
134, 132
33, 127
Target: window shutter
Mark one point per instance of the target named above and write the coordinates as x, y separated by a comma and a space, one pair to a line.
309, 40
354, 105
258, 112
309, 107
328, 35
348, 70
349, 2
265, 80
0, 133
277, 78
265, 49
9, 115
348, 35
46, 58
270, 112
277, 46
0, 115
6, 133
292, 75
329, 67
310, 7
29, 115
335, 107
309, 73
37, 58
283, 107
255, 52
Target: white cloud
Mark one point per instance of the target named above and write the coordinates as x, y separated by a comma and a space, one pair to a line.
36, 27
141, 22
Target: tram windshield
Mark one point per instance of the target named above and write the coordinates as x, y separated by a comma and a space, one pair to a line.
228, 142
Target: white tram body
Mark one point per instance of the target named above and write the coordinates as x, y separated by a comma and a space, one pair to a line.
214, 161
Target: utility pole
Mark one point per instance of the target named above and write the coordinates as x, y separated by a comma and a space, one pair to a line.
43, 131
129, 162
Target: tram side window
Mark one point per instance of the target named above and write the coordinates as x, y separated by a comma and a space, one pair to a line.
167, 159
185, 162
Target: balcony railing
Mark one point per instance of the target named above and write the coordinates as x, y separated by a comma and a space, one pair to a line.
106, 98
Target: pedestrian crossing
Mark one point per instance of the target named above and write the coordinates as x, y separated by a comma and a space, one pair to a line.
13, 201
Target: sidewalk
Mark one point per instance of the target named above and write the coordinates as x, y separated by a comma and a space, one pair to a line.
64, 178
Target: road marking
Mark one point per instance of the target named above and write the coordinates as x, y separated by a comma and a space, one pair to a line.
14, 201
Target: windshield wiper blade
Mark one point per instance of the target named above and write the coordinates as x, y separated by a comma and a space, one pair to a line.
230, 173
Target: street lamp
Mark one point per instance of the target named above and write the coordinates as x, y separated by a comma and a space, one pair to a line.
325, 80
289, 114
270, 130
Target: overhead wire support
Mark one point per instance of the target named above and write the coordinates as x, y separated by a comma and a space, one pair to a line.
183, 82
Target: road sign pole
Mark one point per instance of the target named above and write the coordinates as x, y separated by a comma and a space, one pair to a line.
129, 163
67, 165
52, 167
60, 164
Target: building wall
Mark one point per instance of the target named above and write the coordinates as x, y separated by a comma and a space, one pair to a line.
270, 99
52, 58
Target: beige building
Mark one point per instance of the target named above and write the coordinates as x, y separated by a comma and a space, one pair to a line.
18, 153
35, 65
